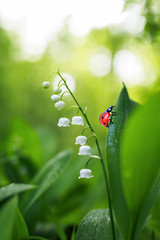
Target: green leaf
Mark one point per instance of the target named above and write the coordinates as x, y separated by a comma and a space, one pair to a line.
20, 228
154, 221
14, 188
123, 108
47, 176
140, 160
56, 222
148, 234
36, 238
96, 225
7, 216
24, 139
147, 206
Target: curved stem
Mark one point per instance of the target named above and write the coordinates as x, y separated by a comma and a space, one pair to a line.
59, 83
90, 137
101, 158
84, 130
70, 109
92, 157
63, 94
50, 74
63, 84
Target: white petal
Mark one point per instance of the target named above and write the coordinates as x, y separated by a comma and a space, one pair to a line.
77, 120
81, 140
59, 105
85, 150
55, 98
45, 84
85, 173
63, 122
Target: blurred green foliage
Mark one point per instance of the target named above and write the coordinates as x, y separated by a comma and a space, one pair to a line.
30, 138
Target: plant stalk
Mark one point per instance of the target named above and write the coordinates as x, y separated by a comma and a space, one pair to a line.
101, 158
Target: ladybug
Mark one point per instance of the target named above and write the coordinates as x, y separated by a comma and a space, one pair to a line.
106, 117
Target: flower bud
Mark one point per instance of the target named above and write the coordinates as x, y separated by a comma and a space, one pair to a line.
55, 98
77, 120
81, 140
57, 90
45, 84
85, 150
85, 173
59, 105
63, 122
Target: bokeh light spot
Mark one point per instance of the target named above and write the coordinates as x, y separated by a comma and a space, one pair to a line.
69, 79
100, 64
128, 67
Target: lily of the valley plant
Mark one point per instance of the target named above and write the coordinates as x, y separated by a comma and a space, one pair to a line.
81, 140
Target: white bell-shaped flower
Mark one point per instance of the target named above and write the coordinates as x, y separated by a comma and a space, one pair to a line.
85, 173
77, 120
81, 140
57, 90
45, 84
63, 122
85, 150
55, 98
59, 105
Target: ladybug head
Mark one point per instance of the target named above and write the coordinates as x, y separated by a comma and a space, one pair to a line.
110, 109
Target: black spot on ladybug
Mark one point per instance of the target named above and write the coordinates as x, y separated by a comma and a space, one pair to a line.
102, 117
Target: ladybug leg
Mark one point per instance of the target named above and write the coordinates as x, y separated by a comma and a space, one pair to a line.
111, 120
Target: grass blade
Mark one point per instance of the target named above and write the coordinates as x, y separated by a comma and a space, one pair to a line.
7, 216
47, 176
14, 188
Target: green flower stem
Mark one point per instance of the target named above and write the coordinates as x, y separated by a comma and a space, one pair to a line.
101, 158
51, 75
63, 94
69, 110
84, 130
88, 161
63, 84
92, 157
91, 137
59, 83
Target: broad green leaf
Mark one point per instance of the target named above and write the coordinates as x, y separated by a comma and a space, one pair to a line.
123, 108
7, 217
20, 228
146, 207
96, 225
47, 176
140, 160
14, 188
23, 138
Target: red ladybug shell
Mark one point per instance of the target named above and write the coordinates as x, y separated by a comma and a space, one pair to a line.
105, 118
